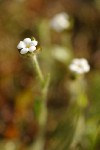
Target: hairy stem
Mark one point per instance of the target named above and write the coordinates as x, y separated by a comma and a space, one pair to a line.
37, 68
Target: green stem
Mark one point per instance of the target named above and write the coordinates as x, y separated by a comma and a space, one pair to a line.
42, 118
77, 87
37, 68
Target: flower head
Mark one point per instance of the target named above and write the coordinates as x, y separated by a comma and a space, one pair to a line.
60, 22
79, 66
27, 45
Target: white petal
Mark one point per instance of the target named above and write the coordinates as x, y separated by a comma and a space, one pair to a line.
85, 65
32, 48
76, 68
80, 69
34, 43
73, 67
21, 45
24, 50
27, 41
87, 68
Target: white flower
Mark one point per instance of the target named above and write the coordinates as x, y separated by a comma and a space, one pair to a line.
27, 45
60, 22
79, 66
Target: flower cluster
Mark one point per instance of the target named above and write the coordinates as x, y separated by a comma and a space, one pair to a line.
79, 66
60, 22
27, 45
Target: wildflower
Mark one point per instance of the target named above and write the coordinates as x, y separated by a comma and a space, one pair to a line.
79, 66
60, 22
27, 45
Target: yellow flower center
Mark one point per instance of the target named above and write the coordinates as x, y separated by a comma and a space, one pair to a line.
28, 46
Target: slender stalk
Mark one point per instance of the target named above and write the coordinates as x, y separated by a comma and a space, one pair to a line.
37, 68
42, 118
81, 102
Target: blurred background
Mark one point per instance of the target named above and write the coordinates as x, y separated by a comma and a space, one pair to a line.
65, 29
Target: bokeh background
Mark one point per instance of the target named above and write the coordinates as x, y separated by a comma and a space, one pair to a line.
71, 124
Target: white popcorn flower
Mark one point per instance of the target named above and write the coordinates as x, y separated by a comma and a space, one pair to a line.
79, 66
27, 45
60, 22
